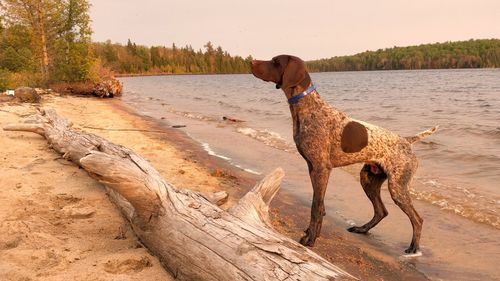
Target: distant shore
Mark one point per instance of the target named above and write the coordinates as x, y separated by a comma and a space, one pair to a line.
119, 75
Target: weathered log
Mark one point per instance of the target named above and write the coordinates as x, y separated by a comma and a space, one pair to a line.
108, 88
194, 239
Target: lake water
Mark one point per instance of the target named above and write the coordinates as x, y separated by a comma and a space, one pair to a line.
456, 189
459, 167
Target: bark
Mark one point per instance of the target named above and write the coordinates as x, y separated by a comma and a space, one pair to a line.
194, 239
40, 26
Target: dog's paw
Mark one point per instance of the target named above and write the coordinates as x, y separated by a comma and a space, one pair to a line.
307, 239
413, 255
357, 229
412, 249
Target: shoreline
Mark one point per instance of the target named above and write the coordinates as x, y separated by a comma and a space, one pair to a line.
336, 245
445, 256
187, 166
121, 75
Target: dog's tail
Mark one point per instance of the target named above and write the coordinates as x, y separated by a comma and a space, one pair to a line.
421, 135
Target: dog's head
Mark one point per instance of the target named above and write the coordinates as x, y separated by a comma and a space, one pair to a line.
286, 71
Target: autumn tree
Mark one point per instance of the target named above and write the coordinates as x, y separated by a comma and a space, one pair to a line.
136, 59
73, 56
37, 17
46, 37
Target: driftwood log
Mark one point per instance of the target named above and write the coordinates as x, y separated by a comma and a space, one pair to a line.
108, 88
194, 239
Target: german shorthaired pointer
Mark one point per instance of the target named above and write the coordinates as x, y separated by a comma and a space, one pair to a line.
329, 138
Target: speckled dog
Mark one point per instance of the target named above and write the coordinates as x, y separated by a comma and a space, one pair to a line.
328, 138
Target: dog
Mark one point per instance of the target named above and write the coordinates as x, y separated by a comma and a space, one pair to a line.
328, 138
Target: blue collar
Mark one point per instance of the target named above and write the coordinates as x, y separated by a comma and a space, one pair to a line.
295, 99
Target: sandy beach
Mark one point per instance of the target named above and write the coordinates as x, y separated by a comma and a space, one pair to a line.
57, 223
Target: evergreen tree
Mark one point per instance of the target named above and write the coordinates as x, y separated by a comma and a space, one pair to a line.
462, 54
132, 58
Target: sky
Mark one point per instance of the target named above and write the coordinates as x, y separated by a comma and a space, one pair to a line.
310, 29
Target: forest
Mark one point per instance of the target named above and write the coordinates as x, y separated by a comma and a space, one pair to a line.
45, 41
483, 53
136, 59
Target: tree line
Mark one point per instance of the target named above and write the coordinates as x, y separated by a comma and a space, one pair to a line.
137, 59
484, 53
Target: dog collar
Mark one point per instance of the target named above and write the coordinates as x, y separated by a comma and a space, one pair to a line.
295, 99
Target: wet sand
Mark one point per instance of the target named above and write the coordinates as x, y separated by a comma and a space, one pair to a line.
57, 223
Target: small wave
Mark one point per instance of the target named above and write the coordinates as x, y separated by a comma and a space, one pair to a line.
247, 170
211, 152
493, 133
459, 200
471, 157
431, 143
192, 115
477, 131
389, 106
269, 138
207, 148
374, 118
267, 100
229, 105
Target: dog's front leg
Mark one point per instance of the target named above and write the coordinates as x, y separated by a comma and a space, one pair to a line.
319, 179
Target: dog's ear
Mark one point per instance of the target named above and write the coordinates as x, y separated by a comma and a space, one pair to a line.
354, 137
295, 73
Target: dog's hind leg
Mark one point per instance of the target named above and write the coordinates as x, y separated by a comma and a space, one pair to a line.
399, 185
371, 184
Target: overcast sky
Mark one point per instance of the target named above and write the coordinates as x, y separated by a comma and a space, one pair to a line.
310, 29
